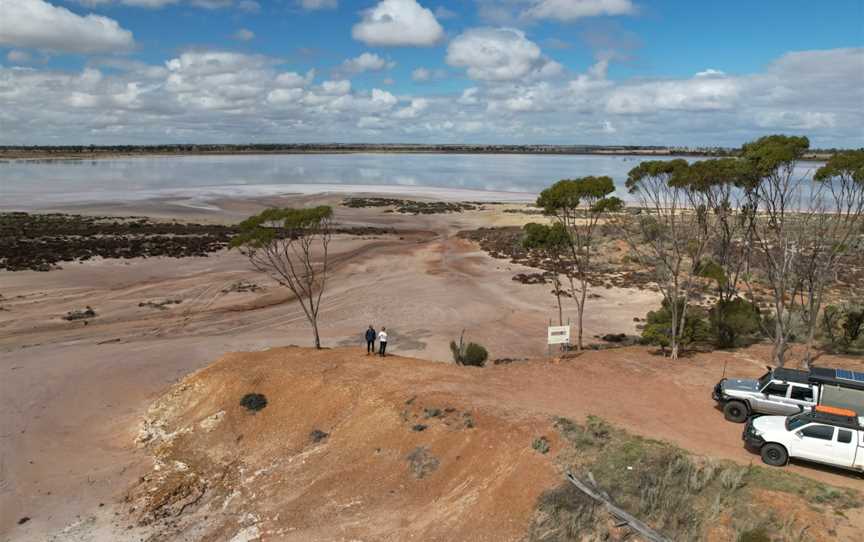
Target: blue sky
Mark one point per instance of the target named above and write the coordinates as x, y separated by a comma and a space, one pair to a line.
521, 71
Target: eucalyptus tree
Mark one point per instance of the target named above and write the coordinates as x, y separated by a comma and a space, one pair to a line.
578, 205
777, 227
669, 234
291, 245
722, 189
834, 230
552, 242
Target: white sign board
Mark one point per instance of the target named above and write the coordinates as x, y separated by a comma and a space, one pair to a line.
559, 335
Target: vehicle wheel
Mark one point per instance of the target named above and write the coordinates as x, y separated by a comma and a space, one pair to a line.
735, 411
774, 455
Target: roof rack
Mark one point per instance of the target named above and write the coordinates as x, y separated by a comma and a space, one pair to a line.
791, 375
838, 377
827, 415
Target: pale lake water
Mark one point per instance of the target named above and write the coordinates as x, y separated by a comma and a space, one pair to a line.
195, 180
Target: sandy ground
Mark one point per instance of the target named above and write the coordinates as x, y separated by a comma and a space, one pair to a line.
71, 395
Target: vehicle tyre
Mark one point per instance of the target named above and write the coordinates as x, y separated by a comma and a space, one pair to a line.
735, 411
774, 454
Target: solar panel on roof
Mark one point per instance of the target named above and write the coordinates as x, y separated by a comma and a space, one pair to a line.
845, 374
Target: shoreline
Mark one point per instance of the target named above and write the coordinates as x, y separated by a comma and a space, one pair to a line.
26, 156
208, 199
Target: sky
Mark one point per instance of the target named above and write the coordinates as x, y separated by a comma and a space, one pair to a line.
614, 72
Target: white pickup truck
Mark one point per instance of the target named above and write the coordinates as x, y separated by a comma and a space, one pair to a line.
828, 435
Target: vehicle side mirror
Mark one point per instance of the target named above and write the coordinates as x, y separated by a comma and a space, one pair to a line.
799, 435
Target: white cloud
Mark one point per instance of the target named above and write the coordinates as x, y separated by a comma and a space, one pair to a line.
570, 10
244, 34
700, 93
213, 96
134, 3
336, 88
19, 57
318, 4
294, 79
366, 62
218, 80
499, 54
469, 96
796, 120
535, 98
417, 106
281, 96
422, 75
37, 24
711, 73
398, 23
249, 6
383, 99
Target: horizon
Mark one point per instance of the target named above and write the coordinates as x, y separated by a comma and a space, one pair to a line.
624, 146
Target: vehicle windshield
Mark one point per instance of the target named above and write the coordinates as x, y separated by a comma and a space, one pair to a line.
764, 380
796, 421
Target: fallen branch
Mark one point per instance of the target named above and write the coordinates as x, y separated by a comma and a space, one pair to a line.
647, 532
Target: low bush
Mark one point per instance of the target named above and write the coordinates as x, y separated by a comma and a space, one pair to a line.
469, 354
759, 534
733, 322
318, 435
658, 327
541, 444
421, 463
843, 326
253, 402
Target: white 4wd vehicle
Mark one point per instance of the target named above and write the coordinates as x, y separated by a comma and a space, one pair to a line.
828, 435
785, 392
779, 391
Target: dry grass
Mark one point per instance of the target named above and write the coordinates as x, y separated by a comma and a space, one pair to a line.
681, 495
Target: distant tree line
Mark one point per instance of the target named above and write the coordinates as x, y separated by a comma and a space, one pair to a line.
288, 148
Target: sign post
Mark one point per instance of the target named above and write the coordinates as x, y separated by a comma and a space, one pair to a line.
557, 335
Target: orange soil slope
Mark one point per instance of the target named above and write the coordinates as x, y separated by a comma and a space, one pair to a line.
223, 471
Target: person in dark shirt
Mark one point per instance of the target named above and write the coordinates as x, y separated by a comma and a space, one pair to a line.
370, 340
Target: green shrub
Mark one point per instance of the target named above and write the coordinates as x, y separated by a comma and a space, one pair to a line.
759, 534
843, 326
733, 321
253, 402
469, 354
658, 329
541, 444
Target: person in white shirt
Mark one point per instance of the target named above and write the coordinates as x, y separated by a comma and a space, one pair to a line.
382, 342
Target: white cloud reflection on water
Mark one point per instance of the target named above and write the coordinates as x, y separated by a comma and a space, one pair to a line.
34, 184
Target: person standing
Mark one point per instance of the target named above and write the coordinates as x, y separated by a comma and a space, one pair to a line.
370, 340
382, 342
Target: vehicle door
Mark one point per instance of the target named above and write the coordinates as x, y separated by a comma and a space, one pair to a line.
815, 442
845, 447
801, 396
773, 400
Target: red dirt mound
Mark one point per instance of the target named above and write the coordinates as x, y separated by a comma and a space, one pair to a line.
345, 448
